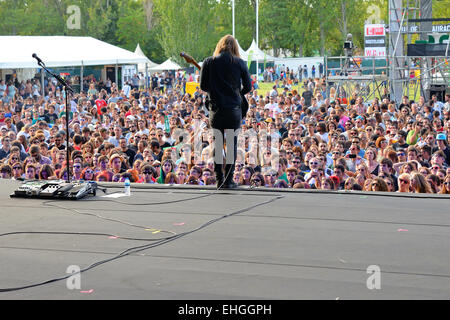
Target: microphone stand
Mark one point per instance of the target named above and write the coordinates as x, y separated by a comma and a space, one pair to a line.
67, 90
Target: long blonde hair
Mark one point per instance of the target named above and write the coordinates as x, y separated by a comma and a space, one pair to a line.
227, 44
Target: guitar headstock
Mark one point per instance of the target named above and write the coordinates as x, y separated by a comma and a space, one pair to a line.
187, 57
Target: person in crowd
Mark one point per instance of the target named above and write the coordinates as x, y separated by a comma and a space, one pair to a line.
404, 182
288, 138
446, 185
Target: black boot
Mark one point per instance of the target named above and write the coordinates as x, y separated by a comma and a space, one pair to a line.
229, 175
219, 175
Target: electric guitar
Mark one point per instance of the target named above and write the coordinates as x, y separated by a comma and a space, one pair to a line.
244, 103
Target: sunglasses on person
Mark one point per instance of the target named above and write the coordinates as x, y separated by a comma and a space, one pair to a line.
403, 181
270, 175
147, 172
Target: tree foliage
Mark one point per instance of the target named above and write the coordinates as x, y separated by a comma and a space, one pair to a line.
164, 28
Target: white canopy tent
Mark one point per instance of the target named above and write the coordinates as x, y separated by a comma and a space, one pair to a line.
142, 67
242, 53
166, 65
257, 54
62, 51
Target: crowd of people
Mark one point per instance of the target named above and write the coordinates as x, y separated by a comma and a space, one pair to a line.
312, 140
284, 73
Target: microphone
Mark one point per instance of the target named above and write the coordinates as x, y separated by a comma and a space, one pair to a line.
37, 58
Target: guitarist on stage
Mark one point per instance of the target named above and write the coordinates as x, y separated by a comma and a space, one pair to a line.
226, 79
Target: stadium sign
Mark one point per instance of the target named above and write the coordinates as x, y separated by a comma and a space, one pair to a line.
375, 40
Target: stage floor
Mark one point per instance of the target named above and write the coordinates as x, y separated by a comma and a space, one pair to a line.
227, 245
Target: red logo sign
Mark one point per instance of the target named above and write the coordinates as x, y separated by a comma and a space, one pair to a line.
375, 30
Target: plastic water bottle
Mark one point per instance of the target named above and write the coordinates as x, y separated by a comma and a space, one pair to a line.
127, 190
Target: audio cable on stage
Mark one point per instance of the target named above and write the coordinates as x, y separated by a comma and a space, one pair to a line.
133, 250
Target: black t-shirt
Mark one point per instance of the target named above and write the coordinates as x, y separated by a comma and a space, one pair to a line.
131, 154
166, 145
282, 131
18, 107
52, 117
61, 147
307, 95
375, 171
3, 154
158, 156
154, 82
398, 146
19, 126
44, 117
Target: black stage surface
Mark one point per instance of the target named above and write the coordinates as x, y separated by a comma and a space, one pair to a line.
220, 245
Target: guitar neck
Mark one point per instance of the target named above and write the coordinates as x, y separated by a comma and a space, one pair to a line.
196, 65
190, 60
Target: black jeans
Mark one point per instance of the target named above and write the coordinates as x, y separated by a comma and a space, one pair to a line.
226, 121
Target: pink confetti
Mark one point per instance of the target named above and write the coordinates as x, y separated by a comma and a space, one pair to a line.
402, 230
89, 291
113, 237
179, 224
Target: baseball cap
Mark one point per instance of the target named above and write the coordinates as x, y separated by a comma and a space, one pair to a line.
441, 136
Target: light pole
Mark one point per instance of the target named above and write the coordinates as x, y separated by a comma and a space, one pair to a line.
232, 9
257, 36
257, 22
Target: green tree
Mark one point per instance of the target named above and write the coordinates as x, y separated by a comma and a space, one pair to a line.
186, 25
132, 28
39, 17
276, 25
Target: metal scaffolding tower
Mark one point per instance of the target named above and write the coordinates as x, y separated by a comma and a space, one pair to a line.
403, 73
411, 20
